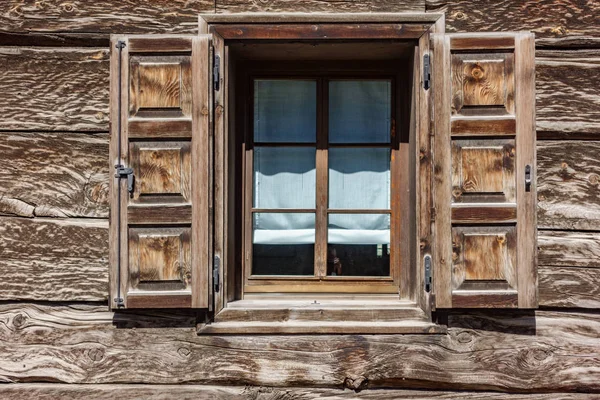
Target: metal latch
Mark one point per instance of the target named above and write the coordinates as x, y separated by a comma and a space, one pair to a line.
216, 73
216, 264
528, 178
426, 72
428, 279
123, 172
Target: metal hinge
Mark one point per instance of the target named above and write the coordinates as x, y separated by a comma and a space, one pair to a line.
123, 172
428, 279
216, 72
528, 178
119, 302
216, 264
426, 72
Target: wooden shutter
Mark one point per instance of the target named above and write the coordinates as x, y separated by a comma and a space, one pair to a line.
484, 144
159, 231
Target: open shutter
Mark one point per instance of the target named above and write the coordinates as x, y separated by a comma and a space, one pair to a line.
484, 171
159, 225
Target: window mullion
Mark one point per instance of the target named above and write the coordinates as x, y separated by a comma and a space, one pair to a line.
322, 181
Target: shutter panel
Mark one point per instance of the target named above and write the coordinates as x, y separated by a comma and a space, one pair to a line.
485, 226
159, 231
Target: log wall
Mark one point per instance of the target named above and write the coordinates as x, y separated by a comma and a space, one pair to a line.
58, 338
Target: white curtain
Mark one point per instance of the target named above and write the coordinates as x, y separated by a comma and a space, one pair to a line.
284, 177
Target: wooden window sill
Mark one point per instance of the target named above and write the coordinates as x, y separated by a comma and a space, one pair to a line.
322, 316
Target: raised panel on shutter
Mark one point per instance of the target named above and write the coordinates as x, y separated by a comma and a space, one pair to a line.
159, 231
485, 225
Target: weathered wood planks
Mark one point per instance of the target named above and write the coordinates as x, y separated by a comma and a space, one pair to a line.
569, 287
555, 22
568, 102
569, 249
49, 391
233, 6
54, 174
76, 98
102, 16
527, 352
56, 89
50, 259
568, 181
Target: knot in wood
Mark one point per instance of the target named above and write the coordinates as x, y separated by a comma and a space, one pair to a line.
460, 15
356, 383
68, 7
96, 354
477, 72
594, 179
464, 337
184, 352
19, 320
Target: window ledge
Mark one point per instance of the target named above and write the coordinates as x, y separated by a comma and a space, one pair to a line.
320, 317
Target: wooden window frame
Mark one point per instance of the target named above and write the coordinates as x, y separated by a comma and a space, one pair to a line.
287, 27
320, 282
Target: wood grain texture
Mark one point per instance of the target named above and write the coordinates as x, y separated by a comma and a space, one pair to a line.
49, 391
54, 259
58, 89
53, 174
76, 98
569, 249
526, 352
567, 104
568, 180
554, 22
102, 16
236, 6
569, 287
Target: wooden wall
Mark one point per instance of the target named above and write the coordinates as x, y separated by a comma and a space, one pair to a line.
54, 323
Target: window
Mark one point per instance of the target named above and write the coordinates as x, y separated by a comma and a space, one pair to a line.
321, 183
251, 156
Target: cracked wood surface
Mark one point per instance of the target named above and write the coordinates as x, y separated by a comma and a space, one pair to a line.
103, 16
48, 391
515, 352
555, 22
54, 174
76, 97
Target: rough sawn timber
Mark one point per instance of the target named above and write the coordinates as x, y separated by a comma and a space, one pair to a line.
48, 391
54, 174
51, 259
555, 22
103, 16
236, 6
527, 352
57, 89
76, 98
568, 181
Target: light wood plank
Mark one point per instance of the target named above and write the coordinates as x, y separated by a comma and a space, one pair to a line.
49, 391
51, 174
555, 23
513, 352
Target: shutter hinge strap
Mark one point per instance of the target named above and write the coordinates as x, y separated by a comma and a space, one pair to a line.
123, 172
426, 72
216, 73
428, 277
216, 265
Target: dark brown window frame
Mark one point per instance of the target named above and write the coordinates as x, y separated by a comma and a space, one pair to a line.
417, 27
320, 282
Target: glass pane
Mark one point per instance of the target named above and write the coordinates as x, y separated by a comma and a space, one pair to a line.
360, 111
285, 111
359, 178
284, 177
359, 245
283, 243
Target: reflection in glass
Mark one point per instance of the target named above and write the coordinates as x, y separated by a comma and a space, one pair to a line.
358, 245
359, 178
284, 177
283, 243
360, 111
285, 111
